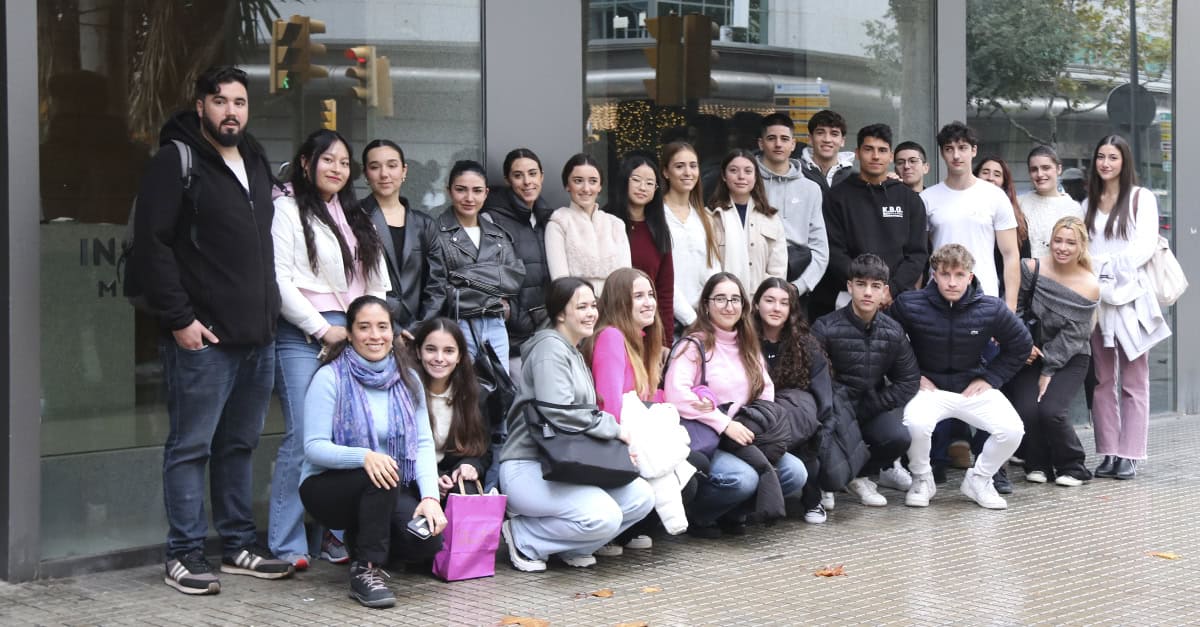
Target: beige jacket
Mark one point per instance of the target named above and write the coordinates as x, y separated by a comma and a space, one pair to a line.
766, 245
589, 247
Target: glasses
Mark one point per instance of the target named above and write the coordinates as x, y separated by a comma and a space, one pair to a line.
640, 182
722, 301
914, 162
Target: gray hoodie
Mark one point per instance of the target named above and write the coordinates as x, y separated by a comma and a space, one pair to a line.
798, 201
553, 371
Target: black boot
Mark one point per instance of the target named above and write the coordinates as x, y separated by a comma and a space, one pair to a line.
1000, 480
1108, 467
1125, 468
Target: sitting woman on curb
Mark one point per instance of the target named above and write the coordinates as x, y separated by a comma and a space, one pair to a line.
460, 434
369, 465
736, 374
552, 517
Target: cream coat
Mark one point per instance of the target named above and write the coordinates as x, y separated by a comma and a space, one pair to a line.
589, 247
766, 245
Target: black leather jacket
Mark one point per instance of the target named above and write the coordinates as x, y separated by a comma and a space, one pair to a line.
477, 279
417, 275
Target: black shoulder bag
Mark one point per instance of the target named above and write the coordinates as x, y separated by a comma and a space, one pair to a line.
571, 455
1032, 324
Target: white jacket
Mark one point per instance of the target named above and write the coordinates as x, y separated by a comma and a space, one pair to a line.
661, 446
1129, 311
293, 272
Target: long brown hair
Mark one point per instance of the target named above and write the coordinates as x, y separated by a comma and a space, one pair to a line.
796, 344
468, 435
644, 346
721, 198
1011, 191
749, 350
695, 199
1119, 216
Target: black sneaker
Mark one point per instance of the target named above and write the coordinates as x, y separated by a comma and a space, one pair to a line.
367, 585
1001, 481
256, 561
190, 573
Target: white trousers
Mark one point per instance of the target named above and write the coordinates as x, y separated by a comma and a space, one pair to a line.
989, 411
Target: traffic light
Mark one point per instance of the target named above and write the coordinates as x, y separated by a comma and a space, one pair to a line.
666, 57
372, 72
329, 114
292, 51
698, 55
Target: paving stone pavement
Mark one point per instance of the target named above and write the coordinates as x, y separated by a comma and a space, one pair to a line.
1073, 556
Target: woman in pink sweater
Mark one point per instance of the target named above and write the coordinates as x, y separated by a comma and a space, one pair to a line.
736, 374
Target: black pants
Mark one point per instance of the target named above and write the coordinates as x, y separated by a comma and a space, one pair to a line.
1051, 444
375, 520
887, 439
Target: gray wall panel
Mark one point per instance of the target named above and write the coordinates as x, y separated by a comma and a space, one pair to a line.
1187, 218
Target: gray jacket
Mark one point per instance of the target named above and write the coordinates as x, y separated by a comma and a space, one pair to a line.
553, 371
1066, 320
799, 201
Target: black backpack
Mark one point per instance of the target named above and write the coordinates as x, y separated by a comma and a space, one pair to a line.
130, 287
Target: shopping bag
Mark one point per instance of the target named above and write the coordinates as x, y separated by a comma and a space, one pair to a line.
471, 537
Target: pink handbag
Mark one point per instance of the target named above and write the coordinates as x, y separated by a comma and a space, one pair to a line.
471, 537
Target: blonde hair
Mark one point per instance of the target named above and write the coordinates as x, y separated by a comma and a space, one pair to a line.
952, 256
1081, 235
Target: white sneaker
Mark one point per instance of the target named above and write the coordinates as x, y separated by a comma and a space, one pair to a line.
519, 561
896, 478
864, 489
1035, 476
579, 561
815, 516
827, 500
922, 490
982, 491
610, 550
1068, 481
640, 543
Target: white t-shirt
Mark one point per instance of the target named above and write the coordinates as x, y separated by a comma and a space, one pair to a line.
239, 170
970, 217
473, 232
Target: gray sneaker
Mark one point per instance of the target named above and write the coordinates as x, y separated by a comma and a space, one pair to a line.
367, 585
256, 561
190, 573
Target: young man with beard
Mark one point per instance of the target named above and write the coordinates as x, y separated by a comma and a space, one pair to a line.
203, 257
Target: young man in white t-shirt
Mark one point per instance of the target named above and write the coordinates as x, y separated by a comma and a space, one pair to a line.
966, 210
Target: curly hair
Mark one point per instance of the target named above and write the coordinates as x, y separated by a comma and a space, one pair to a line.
793, 369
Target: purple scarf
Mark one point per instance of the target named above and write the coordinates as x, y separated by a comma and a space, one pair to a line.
353, 424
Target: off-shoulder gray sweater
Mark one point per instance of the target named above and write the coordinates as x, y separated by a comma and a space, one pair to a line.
1066, 319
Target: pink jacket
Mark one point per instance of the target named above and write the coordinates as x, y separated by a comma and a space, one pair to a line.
726, 378
613, 371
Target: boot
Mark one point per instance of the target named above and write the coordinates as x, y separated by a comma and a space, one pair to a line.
1125, 468
1107, 467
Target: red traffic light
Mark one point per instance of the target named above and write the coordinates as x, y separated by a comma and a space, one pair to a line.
358, 54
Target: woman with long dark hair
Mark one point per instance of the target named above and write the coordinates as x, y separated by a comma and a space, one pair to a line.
327, 253
1122, 220
753, 245
636, 198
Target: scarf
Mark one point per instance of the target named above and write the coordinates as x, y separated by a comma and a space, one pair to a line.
353, 424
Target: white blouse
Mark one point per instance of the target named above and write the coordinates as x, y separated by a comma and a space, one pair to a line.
689, 254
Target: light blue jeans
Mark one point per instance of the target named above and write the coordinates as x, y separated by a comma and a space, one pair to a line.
295, 364
732, 482
567, 519
491, 329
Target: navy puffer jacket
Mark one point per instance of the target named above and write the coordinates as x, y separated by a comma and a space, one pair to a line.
864, 354
949, 339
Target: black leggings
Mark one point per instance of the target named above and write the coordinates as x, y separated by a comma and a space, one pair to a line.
375, 519
1051, 444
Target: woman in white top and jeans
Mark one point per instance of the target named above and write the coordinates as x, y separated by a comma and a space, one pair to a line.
694, 248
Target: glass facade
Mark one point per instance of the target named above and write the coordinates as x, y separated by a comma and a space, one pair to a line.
109, 73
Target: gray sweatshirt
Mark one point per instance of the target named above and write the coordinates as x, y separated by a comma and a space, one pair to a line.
553, 371
1066, 318
798, 201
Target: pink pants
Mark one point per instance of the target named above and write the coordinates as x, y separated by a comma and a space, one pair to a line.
1122, 422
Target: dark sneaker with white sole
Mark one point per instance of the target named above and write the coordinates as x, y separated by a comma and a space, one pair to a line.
256, 561
367, 585
190, 573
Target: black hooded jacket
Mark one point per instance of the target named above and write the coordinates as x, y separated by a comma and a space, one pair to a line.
528, 309
208, 257
874, 361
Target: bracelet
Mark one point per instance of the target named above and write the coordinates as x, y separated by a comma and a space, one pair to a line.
431, 498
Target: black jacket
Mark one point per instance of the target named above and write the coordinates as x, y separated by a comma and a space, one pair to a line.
210, 260
813, 173
477, 278
511, 214
772, 430
417, 275
887, 220
873, 361
949, 339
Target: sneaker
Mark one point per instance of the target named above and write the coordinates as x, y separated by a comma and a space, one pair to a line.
1001, 483
1068, 481
610, 550
332, 549
827, 500
519, 561
896, 478
1018, 461
579, 561
1035, 476
640, 543
191, 573
256, 561
922, 490
816, 515
960, 454
367, 585
864, 489
982, 491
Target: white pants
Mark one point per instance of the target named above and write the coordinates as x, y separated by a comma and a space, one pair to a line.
989, 411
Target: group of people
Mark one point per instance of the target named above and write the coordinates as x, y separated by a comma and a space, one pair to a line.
366, 317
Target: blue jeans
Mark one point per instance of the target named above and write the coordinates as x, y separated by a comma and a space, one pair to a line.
491, 329
732, 481
295, 364
217, 399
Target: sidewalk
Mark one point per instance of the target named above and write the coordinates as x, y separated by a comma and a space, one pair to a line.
1057, 556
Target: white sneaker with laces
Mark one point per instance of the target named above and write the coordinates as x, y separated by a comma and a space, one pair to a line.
896, 478
922, 490
1035, 476
610, 550
827, 500
1068, 481
981, 490
518, 560
640, 543
816, 515
866, 492
579, 561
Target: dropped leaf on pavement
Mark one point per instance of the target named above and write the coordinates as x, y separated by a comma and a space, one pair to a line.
603, 593
524, 621
831, 571
651, 589
636, 623
1167, 555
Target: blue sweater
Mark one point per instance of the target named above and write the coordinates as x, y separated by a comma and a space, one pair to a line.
321, 454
